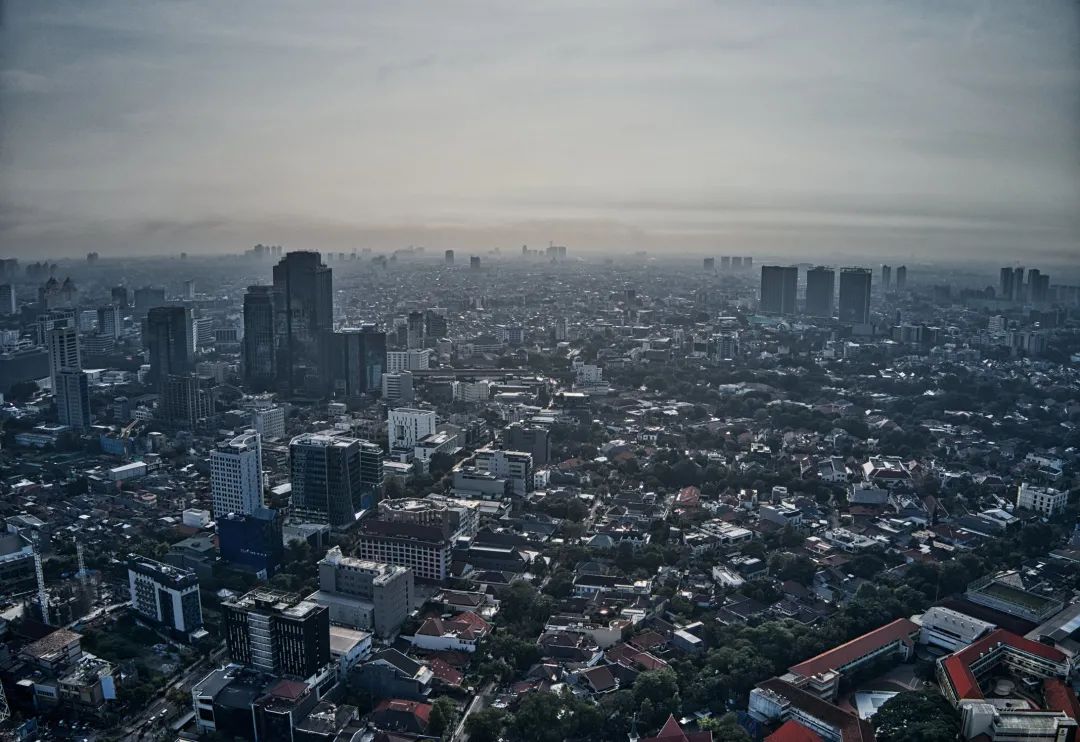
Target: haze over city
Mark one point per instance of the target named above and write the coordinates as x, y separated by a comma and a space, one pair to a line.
907, 130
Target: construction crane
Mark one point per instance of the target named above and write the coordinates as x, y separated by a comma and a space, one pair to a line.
43, 594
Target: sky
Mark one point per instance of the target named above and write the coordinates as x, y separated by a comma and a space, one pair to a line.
914, 128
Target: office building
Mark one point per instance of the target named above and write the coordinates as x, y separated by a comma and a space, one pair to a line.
435, 326
448, 257
415, 329
306, 288
418, 359
64, 352
119, 296
533, 440
109, 321
170, 344
1038, 286
397, 388
901, 278
854, 301
708, 265
259, 351
355, 361
164, 594
362, 594
327, 485
8, 302
252, 542
515, 467
269, 422
277, 633
186, 401
820, 292
407, 425
147, 298
418, 534
236, 475
778, 288
1046, 501
474, 262
72, 392
886, 277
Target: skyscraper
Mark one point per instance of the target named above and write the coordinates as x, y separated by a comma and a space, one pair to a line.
72, 393
186, 400
306, 287
109, 321
326, 478
708, 264
355, 360
1039, 290
474, 262
886, 277
236, 478
778, 287
169, 341
64, 352
901, 278
119, 296
820, 292
261, 337
1007, 289
448, 257
415, 330
854, 302
8, 302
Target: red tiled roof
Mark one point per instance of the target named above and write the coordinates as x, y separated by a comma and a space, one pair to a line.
793, 731
957, 666
672, 732
444, 672
832, 659
290, 689
466, 625
1059, 697
421, 711
850, 727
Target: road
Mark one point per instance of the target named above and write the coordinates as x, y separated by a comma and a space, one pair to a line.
150, 723
477, 704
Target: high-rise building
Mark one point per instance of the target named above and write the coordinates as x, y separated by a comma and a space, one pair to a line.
901, 278
1007, 287
397, 389
534, 440
725, 262
708, 264
269, 422
64, 354
8, 302
236, 475
73, 398
474, 262
119, 296
186, 400
165, 594
854, 301
189, 290
448, 257
778, 288
1039, 286
415, 330
820, 292
110, 321
434, 324
354, 362
169, 342
147, 298
277, 633
408, 360
253, 542
886, 277
362, 594
306, 287
327, 484
405, 426
261, 336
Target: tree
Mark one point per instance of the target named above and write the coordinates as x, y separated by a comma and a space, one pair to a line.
725, 727
916, 717
443, 715
485, 725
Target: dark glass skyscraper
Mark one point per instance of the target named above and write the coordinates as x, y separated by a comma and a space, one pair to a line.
854, 300
778, 287
261, 337
820, 292
354, 360
170, 343
306, 288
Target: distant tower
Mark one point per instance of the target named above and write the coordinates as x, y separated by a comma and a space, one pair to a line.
448, 257
82, 573
901, 278
778, 286
474, 262
886, 277
854, 301
42, 594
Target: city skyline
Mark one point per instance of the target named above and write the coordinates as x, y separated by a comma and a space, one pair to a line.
908, 131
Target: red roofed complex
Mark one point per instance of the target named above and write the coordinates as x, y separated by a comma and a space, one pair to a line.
462, 632
821, 675
959, 673
397, 715
672, 732
793, 731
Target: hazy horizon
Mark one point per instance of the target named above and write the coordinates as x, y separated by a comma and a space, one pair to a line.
904, 130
